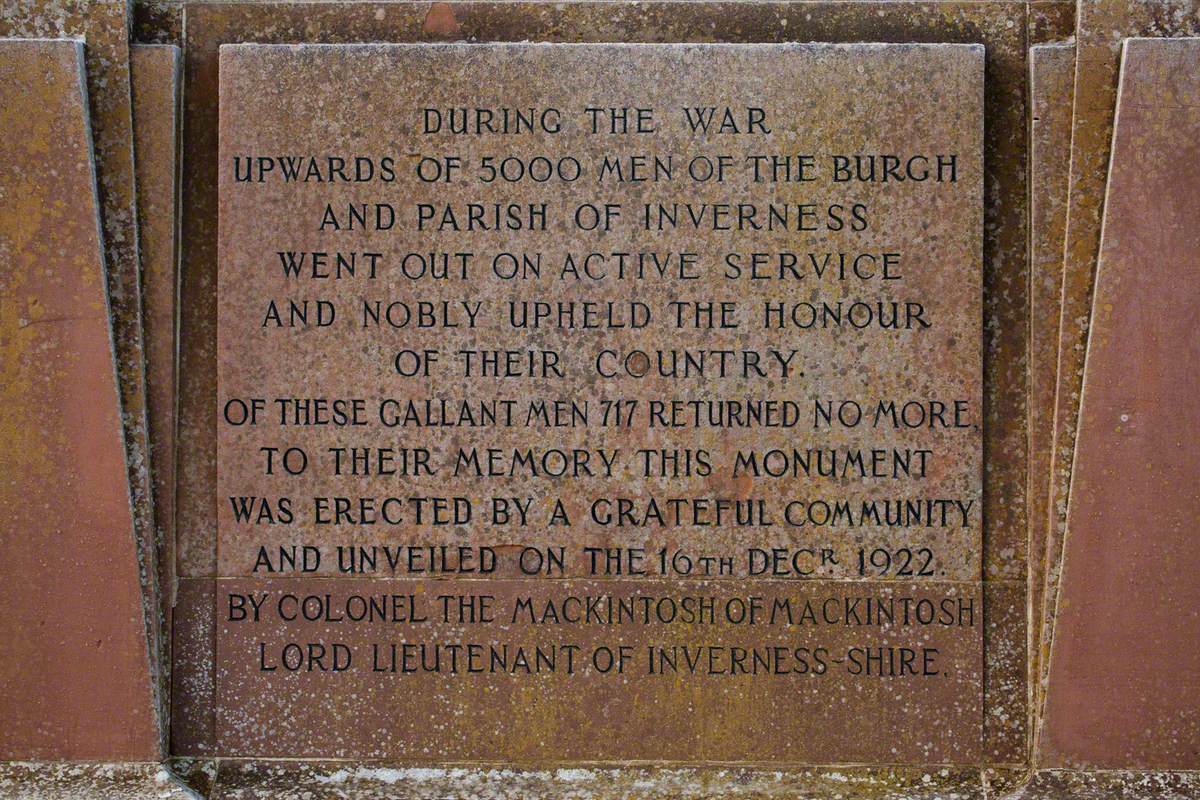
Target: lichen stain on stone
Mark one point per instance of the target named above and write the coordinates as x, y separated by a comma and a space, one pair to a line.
440, 20
80, 781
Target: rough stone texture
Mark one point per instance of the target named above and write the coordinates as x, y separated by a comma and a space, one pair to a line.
104, 25
1002, 781
1050, 21
281, 780
199, 775
157, 22
1125, 664
154, 79
1116, 785
1001, 26
1007, 670
551, 717
1102, 26
193, 647
75, 681
264, 780
452, 717
62, 781
1051, 79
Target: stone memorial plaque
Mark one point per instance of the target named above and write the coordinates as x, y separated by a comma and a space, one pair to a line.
1125, 670
1004, 29
70, 561
623, 388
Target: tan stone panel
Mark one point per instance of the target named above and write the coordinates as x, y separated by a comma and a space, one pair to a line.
76, 676
1052, 80
154, 79
925, 347
1125, 664
482, 705
1102, 25
104, 25
823, 99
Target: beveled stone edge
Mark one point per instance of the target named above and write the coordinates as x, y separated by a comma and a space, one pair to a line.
146, 565
164, 577
188, 779
1037, 634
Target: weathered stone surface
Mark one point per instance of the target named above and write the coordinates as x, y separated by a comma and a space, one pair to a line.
427, 717
76, 676
116, 781
1102, 26
157, 21
265, 781
286, 780
1003, 781
154, 82
841, 94
1110, 785
1052, 80
104, 25
1005, 677
933, 227
193, 647
1050, 21
1125, 666
1004, 27
200, 775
